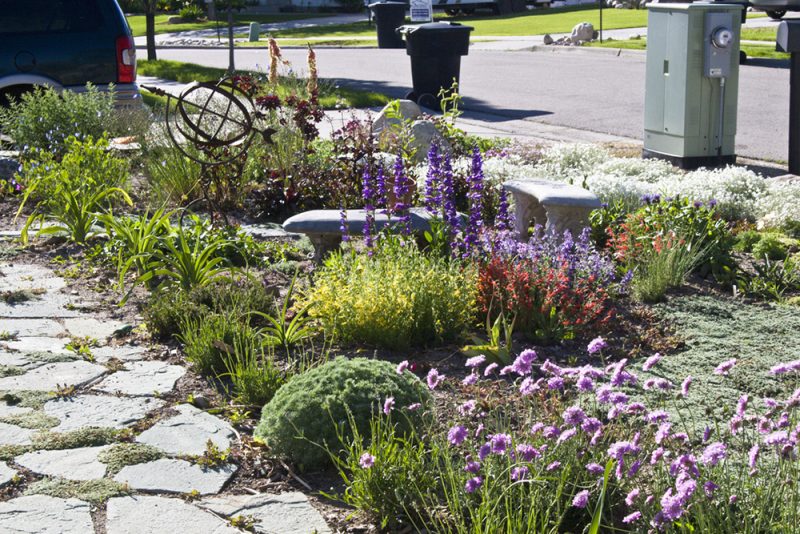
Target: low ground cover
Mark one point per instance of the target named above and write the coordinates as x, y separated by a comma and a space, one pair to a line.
640, 375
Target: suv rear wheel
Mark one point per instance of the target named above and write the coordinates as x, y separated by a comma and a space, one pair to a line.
776, 15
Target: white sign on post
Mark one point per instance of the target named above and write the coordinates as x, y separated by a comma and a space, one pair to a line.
421, 10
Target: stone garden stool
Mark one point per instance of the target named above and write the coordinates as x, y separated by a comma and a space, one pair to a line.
553, 205
323, 226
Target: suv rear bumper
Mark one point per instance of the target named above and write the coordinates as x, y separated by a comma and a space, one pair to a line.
125, 95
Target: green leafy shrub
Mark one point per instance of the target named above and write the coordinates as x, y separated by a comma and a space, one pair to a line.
770, 247
166, 309
659, 222
253, 372
397, 298
306, 413
210, 340
73, 192
745, 240
45, 119
190, 13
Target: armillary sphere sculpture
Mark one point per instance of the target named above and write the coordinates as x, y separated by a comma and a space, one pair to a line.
219, 120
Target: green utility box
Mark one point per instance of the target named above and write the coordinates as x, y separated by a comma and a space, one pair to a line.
692, 83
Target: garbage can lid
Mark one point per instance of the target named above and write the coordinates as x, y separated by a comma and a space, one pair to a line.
385, 3
435, 27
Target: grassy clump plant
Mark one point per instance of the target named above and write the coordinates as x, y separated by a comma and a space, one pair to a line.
94, 491
397, 298
121, 454
309, 411
210, 340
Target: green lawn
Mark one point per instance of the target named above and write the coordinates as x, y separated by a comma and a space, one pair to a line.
531, 23
760, 51
137, 22
330, 96
759, 34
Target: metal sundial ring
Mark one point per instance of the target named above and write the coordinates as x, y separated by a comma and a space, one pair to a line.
219, 120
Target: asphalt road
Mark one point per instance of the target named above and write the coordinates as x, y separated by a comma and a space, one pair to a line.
581, 89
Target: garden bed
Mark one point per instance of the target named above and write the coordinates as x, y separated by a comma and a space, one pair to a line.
639, 375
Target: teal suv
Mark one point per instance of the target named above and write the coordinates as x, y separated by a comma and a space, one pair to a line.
66, 44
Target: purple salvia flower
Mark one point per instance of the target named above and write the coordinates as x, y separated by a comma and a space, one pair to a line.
709, 488
380, 183
369, 207
503, 221
343, 225
433, 196
475, 223
707, 434
472, 467
400, 193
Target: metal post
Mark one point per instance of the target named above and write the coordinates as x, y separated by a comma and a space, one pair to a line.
601, 20
794, 114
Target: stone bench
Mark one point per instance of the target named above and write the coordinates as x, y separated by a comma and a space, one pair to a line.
553, 205
323, 227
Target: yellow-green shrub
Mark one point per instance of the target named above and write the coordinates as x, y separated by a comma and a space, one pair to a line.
397, 298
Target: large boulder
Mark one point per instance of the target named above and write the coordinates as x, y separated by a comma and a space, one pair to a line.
408, 110
424, 133
582, 32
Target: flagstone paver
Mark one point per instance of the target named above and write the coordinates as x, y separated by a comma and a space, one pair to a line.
38, 344
99, 411
161, 515
188, 432
53, 375
41, 514
6, 474
175, 476
91, 327
144, 378
72, 464
7, 410
33, 327
284, 513
119, 397
15, 435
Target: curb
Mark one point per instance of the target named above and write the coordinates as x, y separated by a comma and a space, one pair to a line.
615, 52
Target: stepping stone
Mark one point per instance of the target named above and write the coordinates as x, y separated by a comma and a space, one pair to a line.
14, 359
72, 464
50, 305
41, 514
56, 345
7, 410
143, 379
33, 327
126, 353
15, 435
6, 474
49, 377
24, 276
188, 432
285, 513
175, 476
91, 327
99, 411
143, 514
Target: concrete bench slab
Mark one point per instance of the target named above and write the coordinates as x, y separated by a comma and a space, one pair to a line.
555, 206
323, 227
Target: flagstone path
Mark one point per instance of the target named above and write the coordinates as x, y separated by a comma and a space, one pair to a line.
61, 414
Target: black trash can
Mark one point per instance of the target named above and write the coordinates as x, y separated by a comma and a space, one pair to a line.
388, 16
435, 49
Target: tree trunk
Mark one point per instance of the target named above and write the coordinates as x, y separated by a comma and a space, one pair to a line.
231, 66
150, 20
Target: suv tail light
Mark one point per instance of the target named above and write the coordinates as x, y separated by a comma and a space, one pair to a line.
126, 59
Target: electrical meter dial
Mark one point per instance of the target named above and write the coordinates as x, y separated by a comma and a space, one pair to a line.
722, 37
